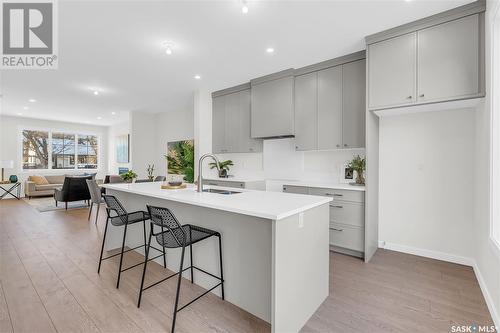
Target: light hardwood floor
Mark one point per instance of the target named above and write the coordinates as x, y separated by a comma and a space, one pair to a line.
49, 283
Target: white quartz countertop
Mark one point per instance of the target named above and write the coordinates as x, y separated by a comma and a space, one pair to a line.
335, 186
267, 205
236, 179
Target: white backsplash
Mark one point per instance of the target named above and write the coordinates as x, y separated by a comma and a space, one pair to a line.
280, 161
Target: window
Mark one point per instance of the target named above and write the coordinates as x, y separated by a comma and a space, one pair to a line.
58, 150
63, 151
35, 149
87, 152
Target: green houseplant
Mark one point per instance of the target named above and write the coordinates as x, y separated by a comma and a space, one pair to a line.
358, 164
223, 167
128, 176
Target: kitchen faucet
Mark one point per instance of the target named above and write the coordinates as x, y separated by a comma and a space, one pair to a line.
200, 172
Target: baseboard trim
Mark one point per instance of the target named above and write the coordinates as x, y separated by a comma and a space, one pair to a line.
487, 296
427, 253
495, 316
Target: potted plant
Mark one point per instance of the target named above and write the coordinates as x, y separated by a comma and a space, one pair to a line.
151, 170
128, 176
180, 159
223, 167
358, 164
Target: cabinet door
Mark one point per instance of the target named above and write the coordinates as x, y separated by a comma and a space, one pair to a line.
245, 142
448, 60
272, 108
218, 124
306, 111
354, 106
232, 122
330, 108
392, 72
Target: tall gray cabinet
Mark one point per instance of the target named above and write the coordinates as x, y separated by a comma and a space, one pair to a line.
231, 121
330, 104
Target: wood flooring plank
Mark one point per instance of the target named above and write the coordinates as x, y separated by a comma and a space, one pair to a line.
5, 322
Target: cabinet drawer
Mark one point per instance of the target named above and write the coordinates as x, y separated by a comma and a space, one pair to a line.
344, 195
348, 213
224, 183
295, 189
347, 236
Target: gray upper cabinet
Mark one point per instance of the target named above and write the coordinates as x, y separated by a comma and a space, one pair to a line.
330, 104
218, 124
231, 123
272, 113
391, 71
448, 58
330, 108
353, 104
306, 117
435, 59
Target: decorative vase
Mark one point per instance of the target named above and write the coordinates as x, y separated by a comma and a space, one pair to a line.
13, 179
360, 179
222, 173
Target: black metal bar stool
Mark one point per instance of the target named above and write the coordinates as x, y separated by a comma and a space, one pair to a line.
118, 216
175, 235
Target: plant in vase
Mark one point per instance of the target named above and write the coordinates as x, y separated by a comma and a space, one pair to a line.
151, 170
358, 164
223, 167
128, 176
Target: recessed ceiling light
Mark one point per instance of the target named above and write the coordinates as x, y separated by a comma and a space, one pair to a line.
244, 7
19, 114
113, 113
197, 77
25, 108
96, 92
270, 50
99, 118
32, 100
168, 46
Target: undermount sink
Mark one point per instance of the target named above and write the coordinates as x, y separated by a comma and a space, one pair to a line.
214, 190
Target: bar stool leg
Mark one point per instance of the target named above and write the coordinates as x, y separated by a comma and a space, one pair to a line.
221, 274
121, 257
178, 289
102, 247
90, 211
191, 255
97, 213
144, 229
145, 265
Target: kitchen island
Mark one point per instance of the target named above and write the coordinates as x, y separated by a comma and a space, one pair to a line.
274, 246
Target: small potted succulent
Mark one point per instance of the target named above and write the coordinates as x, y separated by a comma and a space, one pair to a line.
358, 164
223, 167
129, 176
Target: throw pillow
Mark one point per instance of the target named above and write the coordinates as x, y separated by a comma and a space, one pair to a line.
39, 180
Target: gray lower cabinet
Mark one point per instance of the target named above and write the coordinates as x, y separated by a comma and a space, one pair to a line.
231, 124
272, 107
347, 217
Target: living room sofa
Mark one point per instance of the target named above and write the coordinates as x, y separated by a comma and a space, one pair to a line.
31, 189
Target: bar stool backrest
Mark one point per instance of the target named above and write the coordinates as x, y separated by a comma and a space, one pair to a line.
113, 205
164, 218
95, 191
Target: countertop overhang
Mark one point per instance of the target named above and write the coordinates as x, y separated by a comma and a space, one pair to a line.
263, 204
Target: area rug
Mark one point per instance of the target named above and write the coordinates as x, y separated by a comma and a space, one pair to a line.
47, 204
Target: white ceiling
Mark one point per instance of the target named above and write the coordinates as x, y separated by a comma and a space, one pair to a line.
115, 46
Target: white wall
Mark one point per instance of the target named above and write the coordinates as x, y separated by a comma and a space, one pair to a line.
11, 145
119, 129
426, 181
486, 255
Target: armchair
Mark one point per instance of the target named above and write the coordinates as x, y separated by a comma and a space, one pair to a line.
74, 189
